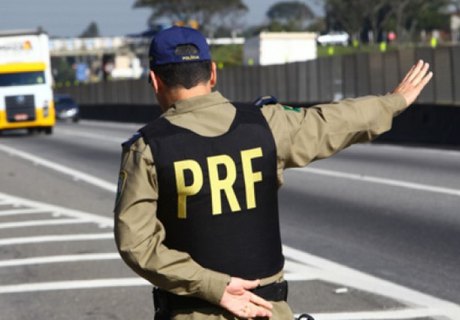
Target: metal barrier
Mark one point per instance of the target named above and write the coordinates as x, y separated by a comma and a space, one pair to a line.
432, 120
323, 79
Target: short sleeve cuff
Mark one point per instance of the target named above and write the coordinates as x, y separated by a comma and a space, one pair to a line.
397, 102
214, 284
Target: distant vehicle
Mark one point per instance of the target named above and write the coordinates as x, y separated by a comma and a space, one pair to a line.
334, 38
66, 108
26, 96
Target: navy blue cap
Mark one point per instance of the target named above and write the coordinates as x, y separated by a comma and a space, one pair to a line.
163, 48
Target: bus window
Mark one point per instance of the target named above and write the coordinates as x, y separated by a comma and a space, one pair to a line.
21, 79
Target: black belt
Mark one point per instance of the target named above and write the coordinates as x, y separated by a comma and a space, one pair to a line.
164, 300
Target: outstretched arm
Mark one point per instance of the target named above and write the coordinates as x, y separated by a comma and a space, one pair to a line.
414, 81
303, 135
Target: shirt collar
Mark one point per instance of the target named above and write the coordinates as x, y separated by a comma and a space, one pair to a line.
196, 103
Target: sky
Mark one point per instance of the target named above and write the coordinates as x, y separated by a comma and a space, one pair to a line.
69, 18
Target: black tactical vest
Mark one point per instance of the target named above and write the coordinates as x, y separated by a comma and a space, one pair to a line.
218, 195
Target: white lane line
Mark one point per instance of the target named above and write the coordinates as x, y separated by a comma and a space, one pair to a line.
59, 259
39, 223
15, 212
60, 168
395, 148
4, 203
56, 238
371, 284
102, 221
334, 272
113, 125
384, 181
380, 315
118, 140
299, 272
72, 285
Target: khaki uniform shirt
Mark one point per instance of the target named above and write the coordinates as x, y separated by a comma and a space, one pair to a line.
301, 135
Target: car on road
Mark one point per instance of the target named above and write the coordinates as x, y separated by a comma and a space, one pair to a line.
66, 108
334, 38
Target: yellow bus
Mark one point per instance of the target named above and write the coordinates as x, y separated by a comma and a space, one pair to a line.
26, 96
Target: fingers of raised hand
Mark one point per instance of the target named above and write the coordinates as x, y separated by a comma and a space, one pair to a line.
414, 81
425, 79
414, 71
418, 74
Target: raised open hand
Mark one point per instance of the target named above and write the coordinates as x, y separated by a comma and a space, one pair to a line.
414, 81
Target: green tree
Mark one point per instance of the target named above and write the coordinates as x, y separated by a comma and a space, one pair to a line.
405, 16
62, 70
91, 31
411, 16
207, 14
292, 15
358, 16
346, 15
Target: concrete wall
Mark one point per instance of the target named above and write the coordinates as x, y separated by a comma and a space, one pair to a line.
323, 79
433, 120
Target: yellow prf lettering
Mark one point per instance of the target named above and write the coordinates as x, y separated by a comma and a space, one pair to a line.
225, 185
250, 177
183, 191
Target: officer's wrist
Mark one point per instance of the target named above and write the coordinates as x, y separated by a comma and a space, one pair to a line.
213, 286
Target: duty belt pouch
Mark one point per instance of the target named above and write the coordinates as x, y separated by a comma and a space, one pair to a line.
277, 291
160, 303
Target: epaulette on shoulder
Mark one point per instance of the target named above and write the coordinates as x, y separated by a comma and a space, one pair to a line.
131, 141
262, 101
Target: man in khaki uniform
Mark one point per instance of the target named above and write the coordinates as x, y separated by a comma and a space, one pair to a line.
198, 185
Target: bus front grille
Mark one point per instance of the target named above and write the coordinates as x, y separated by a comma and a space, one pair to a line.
20, 108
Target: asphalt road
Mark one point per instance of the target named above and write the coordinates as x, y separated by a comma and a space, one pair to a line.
389, 211
406, 235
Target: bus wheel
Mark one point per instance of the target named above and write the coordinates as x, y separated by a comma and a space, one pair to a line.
48, 130
31, 131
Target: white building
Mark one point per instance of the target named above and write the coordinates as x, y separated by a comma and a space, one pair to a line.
280, 48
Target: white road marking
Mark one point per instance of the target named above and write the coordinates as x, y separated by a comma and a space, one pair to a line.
383, 181
380, 315
59, 259
44, 222
15, 212
60, 168
56, 238
334, 272
118, 140
396, 148
327, 270
299, 272
112, 125
72, 285
102, 221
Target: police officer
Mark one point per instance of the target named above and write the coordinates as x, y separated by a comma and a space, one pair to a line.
196, 211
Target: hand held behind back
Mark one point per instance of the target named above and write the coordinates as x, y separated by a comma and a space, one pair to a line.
243, 303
